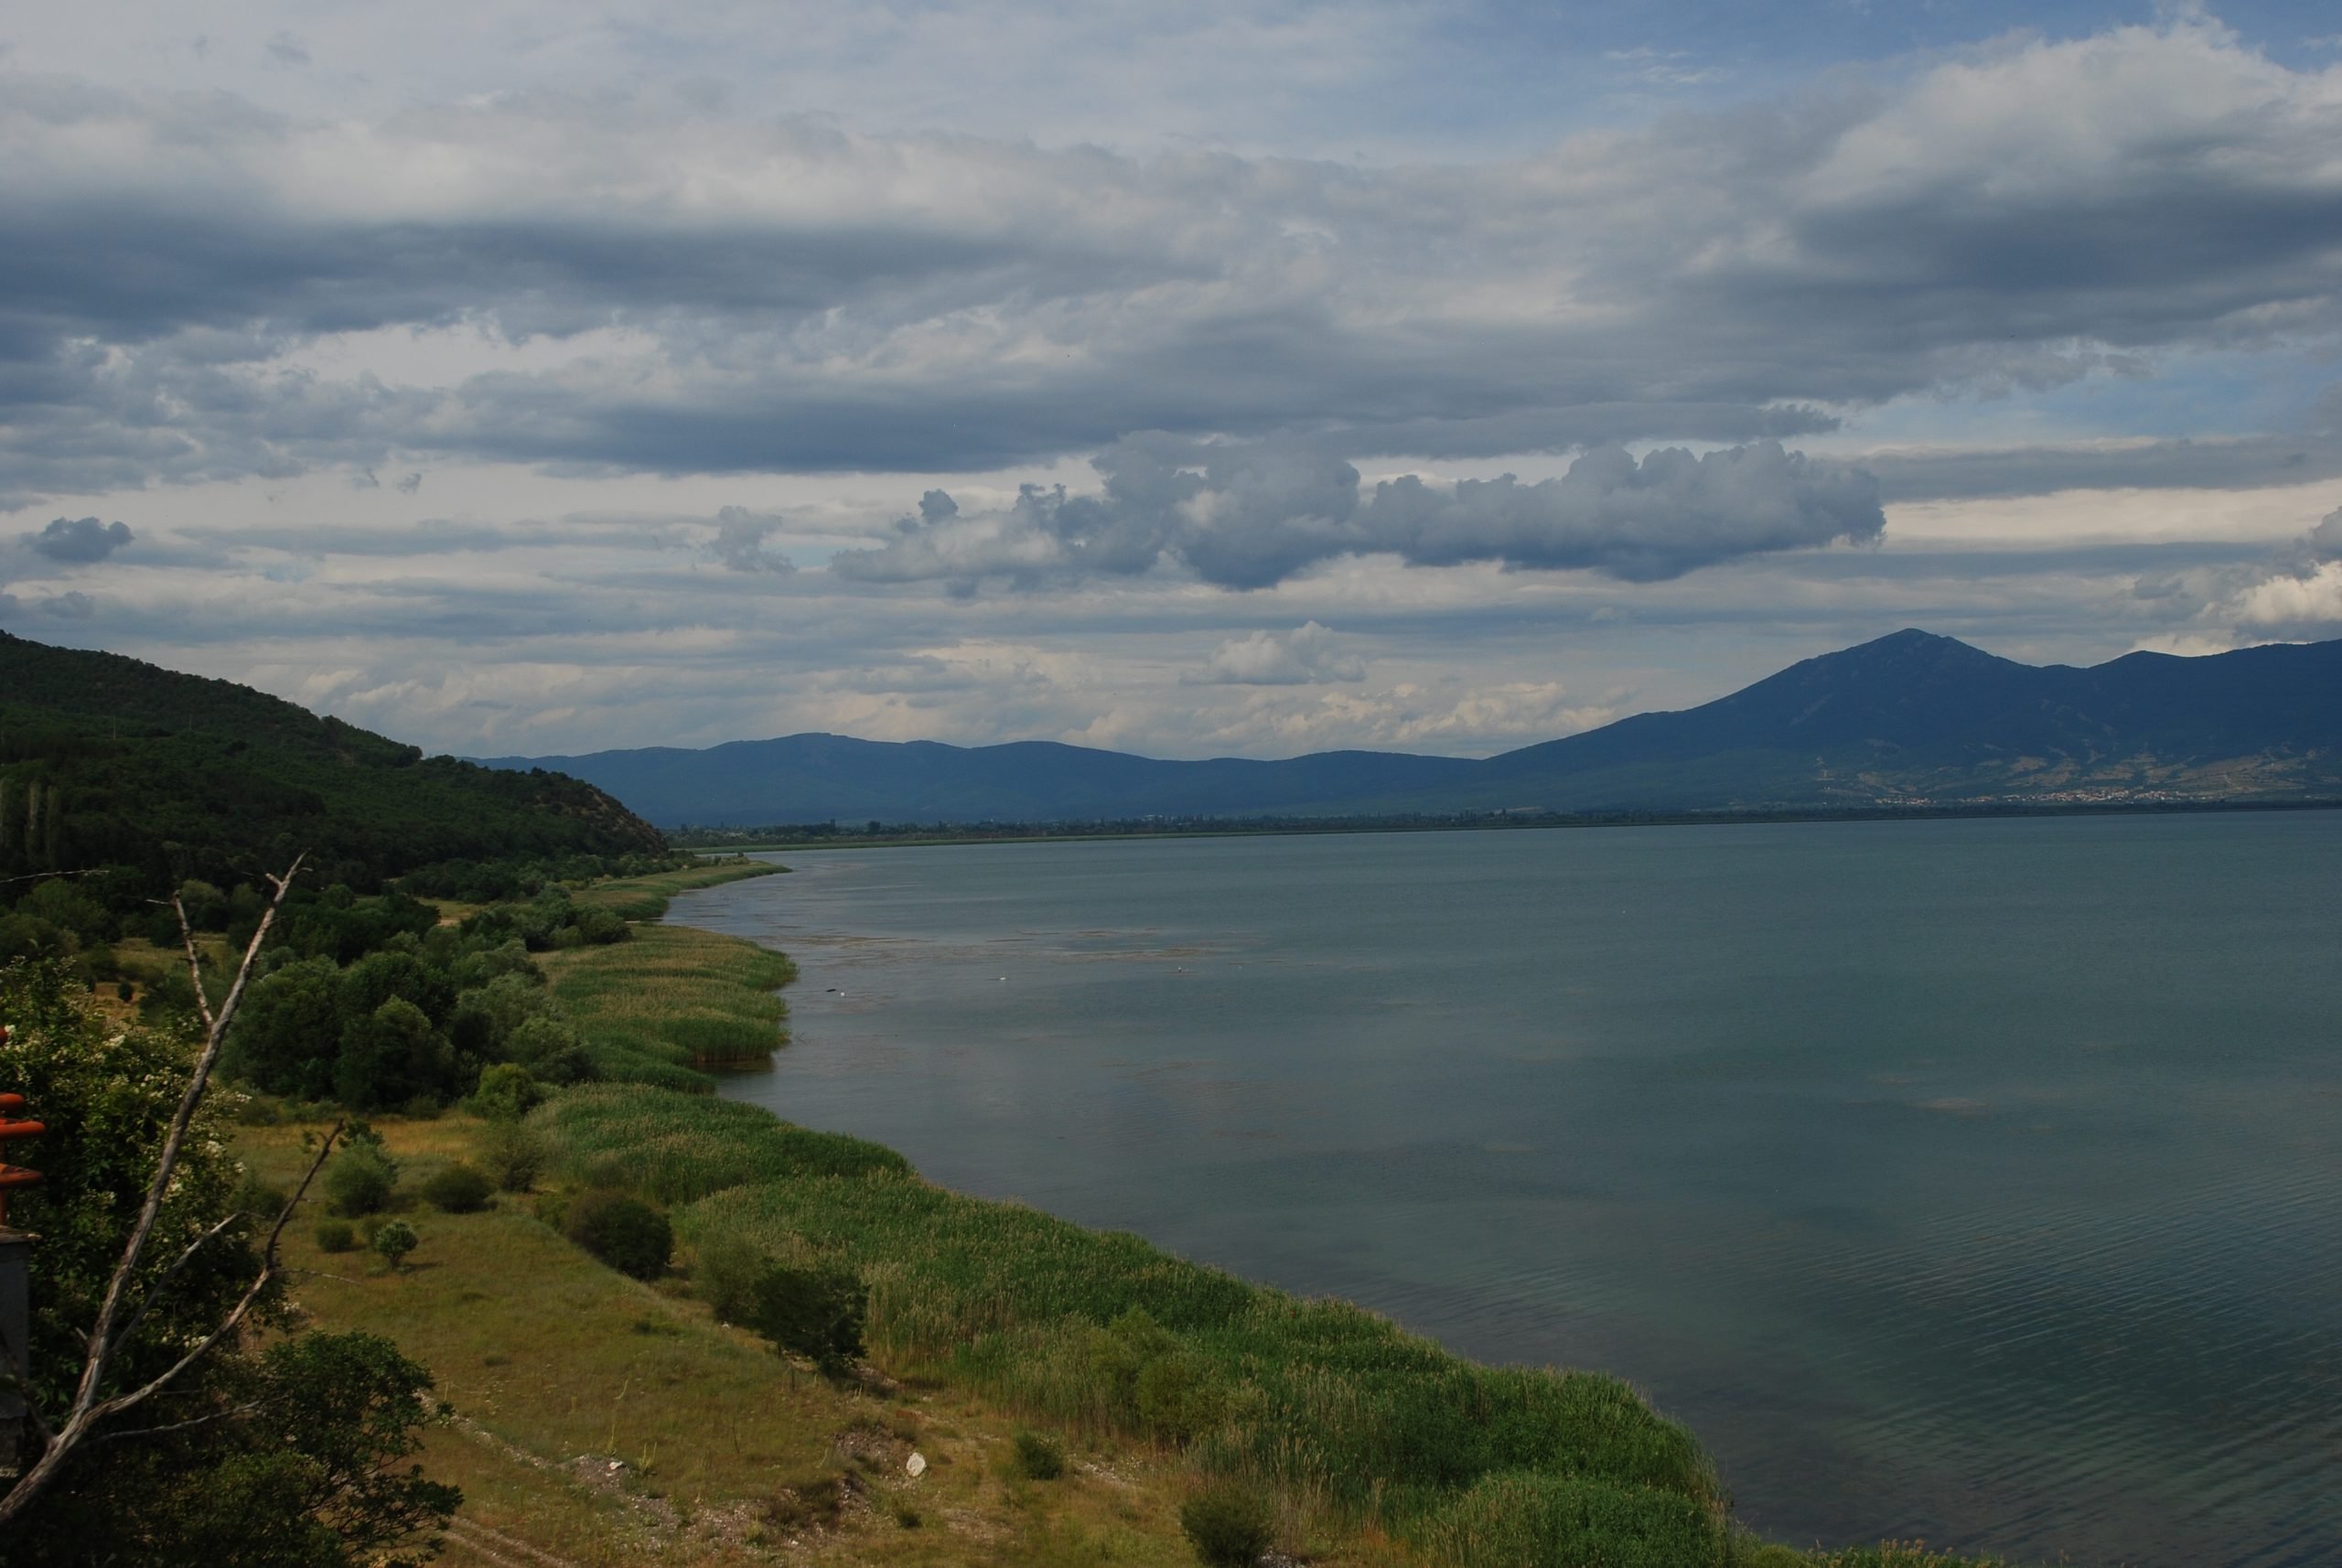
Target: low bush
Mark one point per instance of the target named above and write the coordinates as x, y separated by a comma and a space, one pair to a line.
726, 1274
1229, 1525
336, 1236
1033, 1457
262, 1200
362, 1177
459, 1189
394, 1240
513, 1156
812, 1503
623, 1232
814, 1312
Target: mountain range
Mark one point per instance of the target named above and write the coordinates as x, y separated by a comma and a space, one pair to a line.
1909, 719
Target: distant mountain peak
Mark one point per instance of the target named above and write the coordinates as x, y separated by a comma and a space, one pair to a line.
1912, 717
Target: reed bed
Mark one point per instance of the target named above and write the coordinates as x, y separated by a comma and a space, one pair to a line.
645, 897
672, 1000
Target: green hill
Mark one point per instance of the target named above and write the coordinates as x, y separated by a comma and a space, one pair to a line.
107, 761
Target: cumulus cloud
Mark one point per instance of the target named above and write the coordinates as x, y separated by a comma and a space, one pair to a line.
1305, 656
740, 538
80, 540
2306, 600
2297, 595
1251, 515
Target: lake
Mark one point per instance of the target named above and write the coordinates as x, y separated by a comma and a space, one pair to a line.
1971, 1181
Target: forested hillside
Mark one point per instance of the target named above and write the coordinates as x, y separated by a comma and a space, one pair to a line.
109, 762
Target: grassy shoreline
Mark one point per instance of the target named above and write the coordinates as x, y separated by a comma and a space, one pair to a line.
1375, 1447
1355, 1423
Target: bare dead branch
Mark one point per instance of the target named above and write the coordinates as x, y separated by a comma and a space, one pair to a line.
269, 1268
194, 967
87, 1406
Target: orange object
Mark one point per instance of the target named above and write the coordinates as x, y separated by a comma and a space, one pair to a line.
15, 1175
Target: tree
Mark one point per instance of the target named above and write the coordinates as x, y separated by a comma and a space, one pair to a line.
391, 1055
155, 1433
394, 1240
288, 1037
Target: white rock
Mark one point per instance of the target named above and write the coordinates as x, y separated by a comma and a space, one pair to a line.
916, 1466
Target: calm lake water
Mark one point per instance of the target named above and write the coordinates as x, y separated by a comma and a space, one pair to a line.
1978, 1181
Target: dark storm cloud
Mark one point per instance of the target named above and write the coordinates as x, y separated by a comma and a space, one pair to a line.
80, 540
787, 296
1249, 516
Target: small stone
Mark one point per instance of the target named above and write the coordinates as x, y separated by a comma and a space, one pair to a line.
916, 1466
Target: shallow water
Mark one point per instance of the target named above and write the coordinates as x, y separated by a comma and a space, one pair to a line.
1977, 1181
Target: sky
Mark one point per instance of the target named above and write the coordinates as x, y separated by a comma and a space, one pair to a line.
528, 377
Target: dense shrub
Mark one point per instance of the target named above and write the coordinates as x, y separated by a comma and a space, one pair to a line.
506, 1092
1034, 1457
623, 1232
1229, 1525
725, 1276
814, 1312
459, 1189
336, 1236
362, 1177
512, 1153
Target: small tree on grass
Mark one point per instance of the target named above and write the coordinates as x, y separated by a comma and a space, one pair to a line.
394, 1240
362, 1177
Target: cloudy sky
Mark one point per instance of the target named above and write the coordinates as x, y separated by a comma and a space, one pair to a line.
535, 376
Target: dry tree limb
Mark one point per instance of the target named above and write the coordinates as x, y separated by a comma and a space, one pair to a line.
89, 1406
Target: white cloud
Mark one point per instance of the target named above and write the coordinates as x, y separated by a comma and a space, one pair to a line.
656, 340
1305, 656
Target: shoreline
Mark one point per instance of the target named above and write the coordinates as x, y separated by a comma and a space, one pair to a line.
1221, 828
993, 1378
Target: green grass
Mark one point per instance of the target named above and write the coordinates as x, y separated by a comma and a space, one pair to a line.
675, 1147
655, 1009
547, 1355
646, 898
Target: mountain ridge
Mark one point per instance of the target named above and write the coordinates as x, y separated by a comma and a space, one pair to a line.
163, 775
1912, 717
